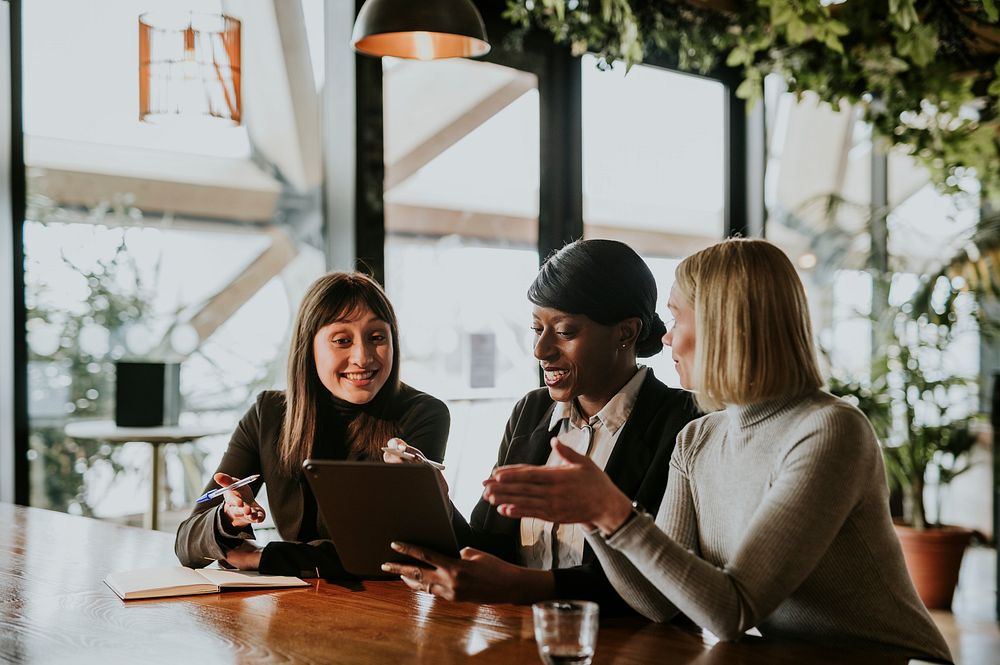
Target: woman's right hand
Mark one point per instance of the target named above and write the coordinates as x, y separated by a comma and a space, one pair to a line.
239, 507
400, 445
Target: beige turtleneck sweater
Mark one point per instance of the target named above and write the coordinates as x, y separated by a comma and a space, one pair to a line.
776, 516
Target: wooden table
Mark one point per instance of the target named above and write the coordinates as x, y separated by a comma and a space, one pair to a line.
107, 430
54, 608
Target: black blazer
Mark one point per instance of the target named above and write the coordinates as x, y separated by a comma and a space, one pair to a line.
423, 421
639, 466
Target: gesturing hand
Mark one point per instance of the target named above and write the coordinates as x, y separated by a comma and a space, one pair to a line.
576, 492
477, 576
239, 506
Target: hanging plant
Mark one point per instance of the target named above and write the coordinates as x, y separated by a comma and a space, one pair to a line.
926, 73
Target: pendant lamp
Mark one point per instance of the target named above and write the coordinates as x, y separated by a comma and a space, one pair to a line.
189, 66
420, 29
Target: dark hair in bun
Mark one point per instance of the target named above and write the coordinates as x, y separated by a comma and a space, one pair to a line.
606, 281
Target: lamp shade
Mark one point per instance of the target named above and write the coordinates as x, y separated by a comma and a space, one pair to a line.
189, 65
420, 29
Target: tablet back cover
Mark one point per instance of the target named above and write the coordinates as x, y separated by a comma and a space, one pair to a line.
367, 505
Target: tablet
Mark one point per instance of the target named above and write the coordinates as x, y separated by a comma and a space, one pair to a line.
367, 505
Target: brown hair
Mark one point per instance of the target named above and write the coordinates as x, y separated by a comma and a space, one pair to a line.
753, 337
333, 297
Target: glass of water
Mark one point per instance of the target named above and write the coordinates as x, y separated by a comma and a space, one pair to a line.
565, 630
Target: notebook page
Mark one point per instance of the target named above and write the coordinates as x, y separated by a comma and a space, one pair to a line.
247, 578
163, 581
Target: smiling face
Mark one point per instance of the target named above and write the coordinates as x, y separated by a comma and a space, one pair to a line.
581, 359
354, 356
680, 336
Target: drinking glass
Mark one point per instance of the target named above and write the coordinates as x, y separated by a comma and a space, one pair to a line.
566, 631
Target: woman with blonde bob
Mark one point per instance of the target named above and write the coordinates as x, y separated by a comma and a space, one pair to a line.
776, 512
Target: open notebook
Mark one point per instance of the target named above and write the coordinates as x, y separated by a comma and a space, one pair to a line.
180, 581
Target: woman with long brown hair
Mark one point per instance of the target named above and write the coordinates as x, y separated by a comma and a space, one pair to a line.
344, 401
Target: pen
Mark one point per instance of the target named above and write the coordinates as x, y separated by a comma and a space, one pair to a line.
208, 496
415, 455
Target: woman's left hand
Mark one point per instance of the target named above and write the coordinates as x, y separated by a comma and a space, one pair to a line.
475, 577
246, 556
577, 492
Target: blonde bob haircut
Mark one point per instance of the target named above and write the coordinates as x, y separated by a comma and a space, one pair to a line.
753, 338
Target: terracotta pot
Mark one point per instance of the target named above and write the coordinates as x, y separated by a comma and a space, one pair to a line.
933, 557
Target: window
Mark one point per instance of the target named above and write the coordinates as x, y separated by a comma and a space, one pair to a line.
159, 242
461, 211
653, 168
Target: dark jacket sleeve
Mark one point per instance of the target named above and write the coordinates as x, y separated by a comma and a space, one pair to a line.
474, 533
201, 538
317, 558
425, 425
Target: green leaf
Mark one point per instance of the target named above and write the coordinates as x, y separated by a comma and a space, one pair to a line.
991, 10
560, 8
903, 13
798, 31
748, 90
919, 44
739, 56
782, 13
994, 88
745, 90
837, 28
833, 43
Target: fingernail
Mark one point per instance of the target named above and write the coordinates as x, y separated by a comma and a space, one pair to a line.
396, 546
386, 567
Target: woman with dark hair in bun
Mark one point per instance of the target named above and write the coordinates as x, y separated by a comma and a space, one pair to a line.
594, 314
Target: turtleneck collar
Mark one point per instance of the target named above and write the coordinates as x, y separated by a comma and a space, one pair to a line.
342, 407
349, 410
746, 416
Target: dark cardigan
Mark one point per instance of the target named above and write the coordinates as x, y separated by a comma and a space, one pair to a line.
639, 466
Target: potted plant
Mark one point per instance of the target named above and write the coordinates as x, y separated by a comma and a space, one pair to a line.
920, 409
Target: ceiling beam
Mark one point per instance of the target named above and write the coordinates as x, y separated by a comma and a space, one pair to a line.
279, 90
476, 116
84, 174
252, 279
523, 231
